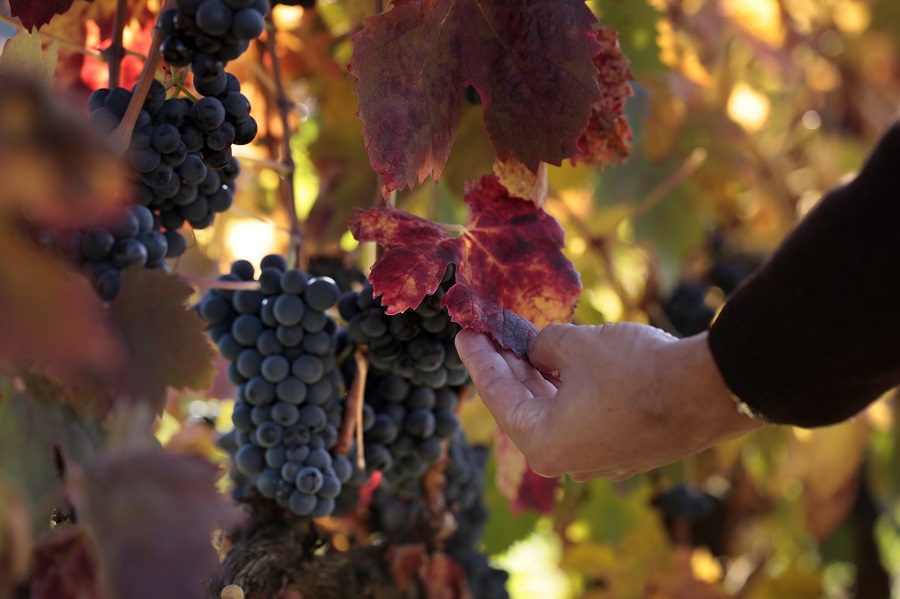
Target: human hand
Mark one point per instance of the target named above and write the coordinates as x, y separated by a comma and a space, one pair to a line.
628, 398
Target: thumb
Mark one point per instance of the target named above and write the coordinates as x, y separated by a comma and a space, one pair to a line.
550, 351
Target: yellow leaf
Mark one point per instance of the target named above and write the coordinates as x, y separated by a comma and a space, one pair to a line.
23, 56
521, 182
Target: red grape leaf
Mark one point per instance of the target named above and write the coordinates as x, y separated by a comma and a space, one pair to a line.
50, 161
35, 13
607, 136
529, 60
511, 275
50, 316
165, 344
537, 493
517, 482
65, 566
153, 516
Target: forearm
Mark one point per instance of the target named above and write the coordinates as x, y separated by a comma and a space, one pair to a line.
814, 337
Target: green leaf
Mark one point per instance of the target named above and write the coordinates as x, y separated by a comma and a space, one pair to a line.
165, 345
32, 431
635, 20
611, 513
503, 528
23, 56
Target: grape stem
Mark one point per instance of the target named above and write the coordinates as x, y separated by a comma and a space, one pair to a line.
116, 50
219, 284
122, 134
287, 175
354, 408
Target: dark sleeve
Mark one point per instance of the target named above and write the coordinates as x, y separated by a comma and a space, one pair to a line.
814, 336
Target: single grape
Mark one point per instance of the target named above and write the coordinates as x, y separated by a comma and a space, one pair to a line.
250, 459
309, 480
302, 504
321, 293
268, 434
291, 390
207, 113
420, 423
308, 369
275, 368
289, 309
285, 414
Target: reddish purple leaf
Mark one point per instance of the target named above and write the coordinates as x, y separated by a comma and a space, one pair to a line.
529, 60
35, 13
153, 516
65, 566
607, 137
511, 275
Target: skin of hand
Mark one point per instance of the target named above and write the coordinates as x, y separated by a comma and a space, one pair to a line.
625, 398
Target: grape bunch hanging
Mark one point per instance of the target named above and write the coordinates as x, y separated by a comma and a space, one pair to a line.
280, 345
180, 153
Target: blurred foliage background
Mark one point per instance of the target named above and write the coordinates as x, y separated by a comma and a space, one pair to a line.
745, 112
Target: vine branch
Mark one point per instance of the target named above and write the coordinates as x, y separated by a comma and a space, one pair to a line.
116, 50
219, 284
354, 407
122, 134
287, 160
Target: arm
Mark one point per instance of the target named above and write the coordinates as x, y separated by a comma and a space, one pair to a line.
814, 336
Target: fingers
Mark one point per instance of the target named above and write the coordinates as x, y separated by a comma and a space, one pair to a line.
551, 349
497, 384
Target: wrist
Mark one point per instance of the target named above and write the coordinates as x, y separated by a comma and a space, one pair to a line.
713, 412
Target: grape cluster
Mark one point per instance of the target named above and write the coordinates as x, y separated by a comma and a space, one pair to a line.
280, 345
180, 152
404, 518
404, 428
464, 494
416, 345
124, 239
208, 33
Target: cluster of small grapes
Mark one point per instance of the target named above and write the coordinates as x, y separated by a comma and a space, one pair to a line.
464, 493
180, 151
404, 518
208, 33
416, 345
124, 239
404, 428
689, 309
281, 348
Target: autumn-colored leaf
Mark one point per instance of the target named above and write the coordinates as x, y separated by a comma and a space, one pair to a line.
24, 55
34, 432
529, 60
511, 276
35, 13
50, 316
50, 161
153, 515
607, 137
65, 566
521, 182
165, 344
517, 482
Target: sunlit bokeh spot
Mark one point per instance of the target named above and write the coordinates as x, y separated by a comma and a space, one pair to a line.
748, 107
811, 120
249, 240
